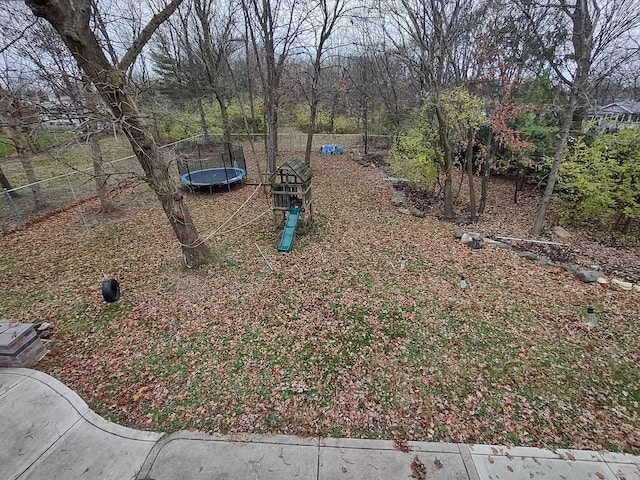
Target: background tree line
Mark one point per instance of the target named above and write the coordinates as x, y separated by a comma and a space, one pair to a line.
480, 85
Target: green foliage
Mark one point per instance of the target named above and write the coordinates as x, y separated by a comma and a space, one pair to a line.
414, 156
418, 153
463, 111
6, 148
540, 91
604, 177
184, 123
541, 133
37, 140
341, 124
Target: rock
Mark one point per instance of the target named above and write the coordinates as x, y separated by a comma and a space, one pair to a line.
603, 280
572, 268
546, 263
416, 212
475, 244
636, 288
622, 284
588, 276
398, 197
458, 234
395, 180
529, 255
404, 211
496, 243
561, 232
468, 237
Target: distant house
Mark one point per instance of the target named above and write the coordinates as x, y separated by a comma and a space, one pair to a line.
617, 115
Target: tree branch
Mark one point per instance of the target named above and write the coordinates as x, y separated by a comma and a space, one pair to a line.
139, 43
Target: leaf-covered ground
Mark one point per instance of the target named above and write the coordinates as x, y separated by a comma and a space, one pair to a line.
361, 331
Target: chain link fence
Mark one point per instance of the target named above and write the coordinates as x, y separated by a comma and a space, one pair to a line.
26, 203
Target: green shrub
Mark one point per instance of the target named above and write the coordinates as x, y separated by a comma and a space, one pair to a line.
603, 178
414, 157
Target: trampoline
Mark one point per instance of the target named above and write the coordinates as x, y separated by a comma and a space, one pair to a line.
210, 177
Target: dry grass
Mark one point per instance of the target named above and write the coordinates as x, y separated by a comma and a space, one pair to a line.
338, 339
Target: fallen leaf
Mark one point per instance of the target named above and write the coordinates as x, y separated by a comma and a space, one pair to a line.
139, 393
418, 470
437, 463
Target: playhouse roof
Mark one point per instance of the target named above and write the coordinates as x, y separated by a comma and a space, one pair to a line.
298, 167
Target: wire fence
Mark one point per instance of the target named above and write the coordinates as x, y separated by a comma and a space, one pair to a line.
26, 203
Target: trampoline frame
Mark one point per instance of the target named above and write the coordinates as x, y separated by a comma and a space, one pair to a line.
233, 171
240, 174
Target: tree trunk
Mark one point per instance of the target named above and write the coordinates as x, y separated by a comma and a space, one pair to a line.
555, 167
486, 173
224, 115
469, 162
4, 182
27, 166
272, 133
312, 128
365, 126
72, 24
203, 122
107, 205
447, 159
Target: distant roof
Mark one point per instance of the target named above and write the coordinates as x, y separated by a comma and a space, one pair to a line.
298, 167
625, 106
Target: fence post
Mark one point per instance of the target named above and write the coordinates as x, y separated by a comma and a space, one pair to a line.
15, 213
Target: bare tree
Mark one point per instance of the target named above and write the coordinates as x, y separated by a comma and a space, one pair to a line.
428, 35
274, 27
57, 69
16, 114
328, 12
72, 20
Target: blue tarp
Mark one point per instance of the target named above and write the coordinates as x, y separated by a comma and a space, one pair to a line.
331, 150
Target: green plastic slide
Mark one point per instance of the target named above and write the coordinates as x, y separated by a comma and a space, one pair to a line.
286, 242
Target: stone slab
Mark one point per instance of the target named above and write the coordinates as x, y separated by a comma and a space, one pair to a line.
384, 464
525, 468
36, 417
524, 463
87, 451
8, 381
625, 471
200, 457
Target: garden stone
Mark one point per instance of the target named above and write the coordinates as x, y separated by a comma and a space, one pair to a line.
561, 232
622, 284
529, 255
572, 268
416, 212
458, 234
498, 244
546, 263
470, 237
603, 280
588, 276
398, 197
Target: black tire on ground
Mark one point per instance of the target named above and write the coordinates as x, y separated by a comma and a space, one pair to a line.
110, 290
